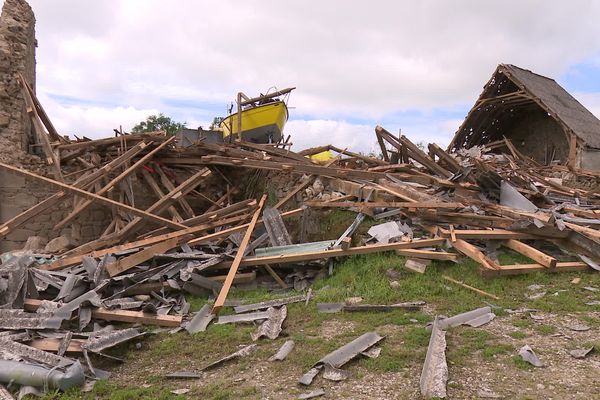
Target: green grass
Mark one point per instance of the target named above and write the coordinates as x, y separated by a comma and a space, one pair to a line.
492, 350
405, 343
518, 335
107, 390
545, 329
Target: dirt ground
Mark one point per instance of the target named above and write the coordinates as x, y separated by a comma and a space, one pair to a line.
470, 377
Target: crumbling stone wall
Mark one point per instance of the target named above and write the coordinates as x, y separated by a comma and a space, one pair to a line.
17, 55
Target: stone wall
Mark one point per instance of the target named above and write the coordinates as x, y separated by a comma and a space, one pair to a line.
17, 55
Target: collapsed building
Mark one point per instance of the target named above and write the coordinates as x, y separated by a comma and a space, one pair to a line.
541, 119
150, 223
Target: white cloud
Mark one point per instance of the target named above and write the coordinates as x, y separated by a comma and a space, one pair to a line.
349, 60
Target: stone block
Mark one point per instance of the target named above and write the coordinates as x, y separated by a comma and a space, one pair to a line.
8, 180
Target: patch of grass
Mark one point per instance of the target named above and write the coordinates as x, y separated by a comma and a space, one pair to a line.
416, 337
464, 342
518, 335
492, 350
545, 329
107, 390
522, 323
216, 391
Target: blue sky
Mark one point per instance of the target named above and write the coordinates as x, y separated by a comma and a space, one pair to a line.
415, 66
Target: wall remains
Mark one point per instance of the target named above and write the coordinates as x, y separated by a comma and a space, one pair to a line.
17, 55
17, 194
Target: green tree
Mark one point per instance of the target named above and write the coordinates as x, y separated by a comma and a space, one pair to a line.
158, 122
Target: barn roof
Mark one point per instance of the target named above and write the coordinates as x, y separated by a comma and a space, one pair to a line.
512, 88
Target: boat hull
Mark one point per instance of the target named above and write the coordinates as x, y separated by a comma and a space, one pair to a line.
260, 124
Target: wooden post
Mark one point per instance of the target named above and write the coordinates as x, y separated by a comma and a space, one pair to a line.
238, 258
239, 114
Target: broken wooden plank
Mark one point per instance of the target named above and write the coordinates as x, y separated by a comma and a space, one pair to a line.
384, 204
103, 200
516, 269
134, 317
220, 301
474, 289
531, 252
131, 261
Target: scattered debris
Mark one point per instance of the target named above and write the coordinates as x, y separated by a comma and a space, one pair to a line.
338, 307
578, 327
183, 375
312, 394
474, 318
283, 351
528, 355
416, 264
200, 320
243, 352
341, 356
471, 288
271, 327
581, 353
434, 375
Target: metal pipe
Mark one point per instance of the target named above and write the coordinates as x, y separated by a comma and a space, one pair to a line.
33, 375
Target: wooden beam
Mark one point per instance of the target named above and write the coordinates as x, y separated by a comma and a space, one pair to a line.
103, 200
471, 288
109, 186
81, 182
487, 234
384, 204
134, 317
531, 252
75, 345
170, 186
475, 254
384, 152
51, 157
160, 194
131, 261
76, 259
220, 301
316, 255
516, 269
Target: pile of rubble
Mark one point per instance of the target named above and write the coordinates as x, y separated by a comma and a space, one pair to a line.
197, 220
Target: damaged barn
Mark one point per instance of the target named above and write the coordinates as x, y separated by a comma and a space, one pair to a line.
540, 118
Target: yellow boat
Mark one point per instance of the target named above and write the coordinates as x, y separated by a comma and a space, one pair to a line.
263, 118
